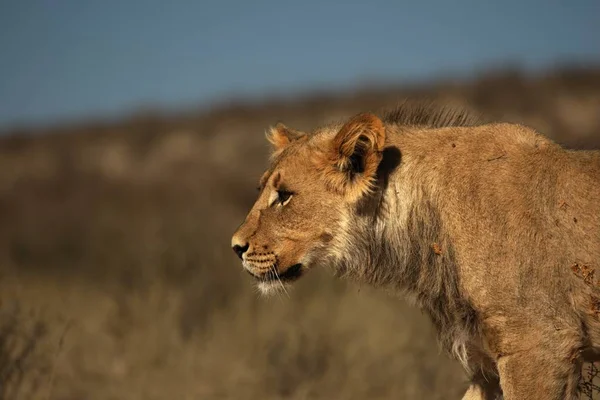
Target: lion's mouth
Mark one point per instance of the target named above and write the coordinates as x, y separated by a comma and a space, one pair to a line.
289, 275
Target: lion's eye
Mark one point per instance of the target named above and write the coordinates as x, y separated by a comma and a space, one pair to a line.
283, 197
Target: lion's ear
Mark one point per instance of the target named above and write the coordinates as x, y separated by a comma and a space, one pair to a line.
355, 153
280, 136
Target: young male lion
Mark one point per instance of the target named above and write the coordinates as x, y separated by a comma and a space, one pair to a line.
493, 229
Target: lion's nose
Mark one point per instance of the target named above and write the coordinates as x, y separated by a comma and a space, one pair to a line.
240, 250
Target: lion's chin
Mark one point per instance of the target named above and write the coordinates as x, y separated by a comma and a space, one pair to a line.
271, 284
270, 288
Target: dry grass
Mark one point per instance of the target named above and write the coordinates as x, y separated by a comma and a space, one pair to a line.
114, 252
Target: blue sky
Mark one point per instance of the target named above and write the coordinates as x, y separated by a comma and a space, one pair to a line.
71, 59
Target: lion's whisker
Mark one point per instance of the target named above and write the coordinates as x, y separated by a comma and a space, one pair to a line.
279, 280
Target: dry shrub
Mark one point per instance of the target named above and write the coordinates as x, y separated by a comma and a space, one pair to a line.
23, 367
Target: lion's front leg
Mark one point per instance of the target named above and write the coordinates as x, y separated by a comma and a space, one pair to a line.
538, 374
484, 387
476, 392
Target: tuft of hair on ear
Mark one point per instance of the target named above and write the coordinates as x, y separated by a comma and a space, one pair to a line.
280, 136
350, 165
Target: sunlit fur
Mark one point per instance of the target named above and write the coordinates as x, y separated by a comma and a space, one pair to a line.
492, 229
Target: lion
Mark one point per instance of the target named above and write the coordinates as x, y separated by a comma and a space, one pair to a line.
491, 228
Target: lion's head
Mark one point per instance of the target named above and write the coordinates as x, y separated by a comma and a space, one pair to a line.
307, 196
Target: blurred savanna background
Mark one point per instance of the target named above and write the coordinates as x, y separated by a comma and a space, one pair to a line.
131, 142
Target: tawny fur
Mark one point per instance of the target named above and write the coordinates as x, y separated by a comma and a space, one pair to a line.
493, 229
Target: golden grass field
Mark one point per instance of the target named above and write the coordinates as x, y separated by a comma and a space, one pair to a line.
117, 280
